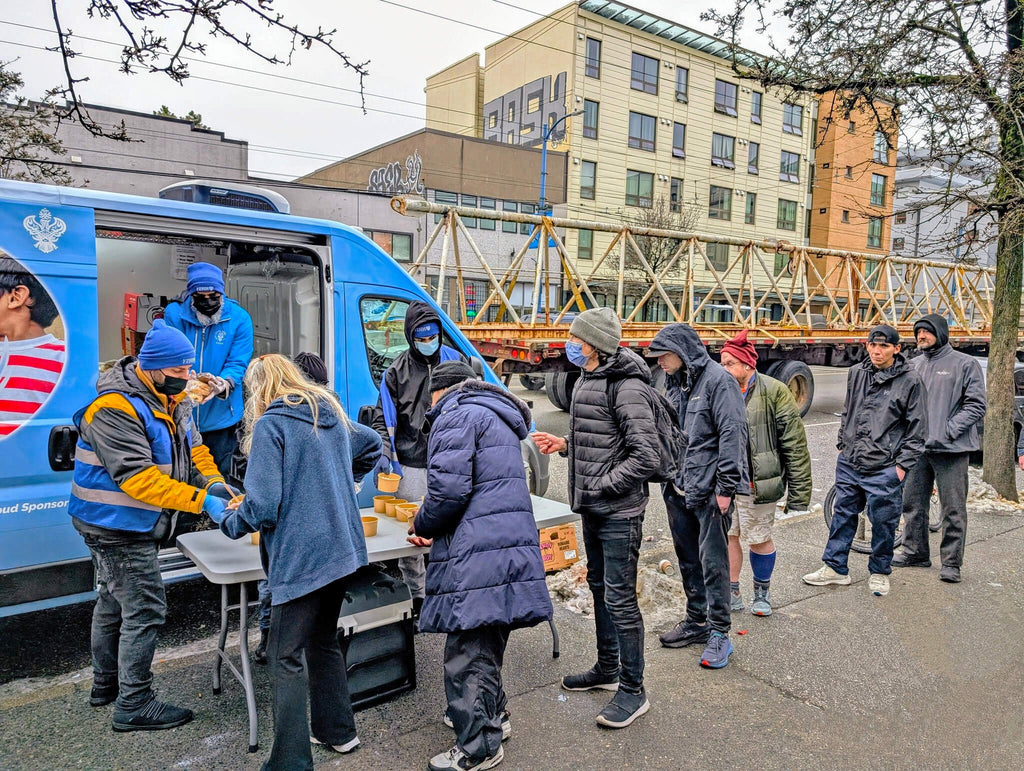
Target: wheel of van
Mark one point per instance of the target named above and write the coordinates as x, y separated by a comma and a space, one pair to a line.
558, 386
798, 377
531, 382
862, 537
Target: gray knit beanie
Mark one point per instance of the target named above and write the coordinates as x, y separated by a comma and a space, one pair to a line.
600, 327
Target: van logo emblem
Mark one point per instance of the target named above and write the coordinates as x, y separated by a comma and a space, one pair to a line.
45, 229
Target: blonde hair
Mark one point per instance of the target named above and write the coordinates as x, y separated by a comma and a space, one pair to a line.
273, 376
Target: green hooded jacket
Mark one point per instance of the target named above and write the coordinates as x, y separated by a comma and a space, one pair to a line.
777, 445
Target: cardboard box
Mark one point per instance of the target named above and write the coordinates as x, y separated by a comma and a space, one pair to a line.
558, 547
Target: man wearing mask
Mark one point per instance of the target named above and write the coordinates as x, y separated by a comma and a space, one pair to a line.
138, 463
955, 406
221, 332
700, 501
401, 408
881, 437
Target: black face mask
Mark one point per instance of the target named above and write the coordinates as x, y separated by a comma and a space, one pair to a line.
208, 306
172, 386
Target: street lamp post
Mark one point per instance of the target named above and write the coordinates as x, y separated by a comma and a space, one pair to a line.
542, 204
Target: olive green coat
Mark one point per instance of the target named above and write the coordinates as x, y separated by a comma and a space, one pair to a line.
777, 445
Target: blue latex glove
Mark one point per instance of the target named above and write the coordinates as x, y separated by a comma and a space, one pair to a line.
215, 507
220, 490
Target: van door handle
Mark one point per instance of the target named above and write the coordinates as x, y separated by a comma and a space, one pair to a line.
61, 447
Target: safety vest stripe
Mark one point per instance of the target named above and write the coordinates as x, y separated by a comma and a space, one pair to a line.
110, 497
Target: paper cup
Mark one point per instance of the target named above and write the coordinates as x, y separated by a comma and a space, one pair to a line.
369, 526
389, 506
388, 483
255, 538
379, 501
406, 511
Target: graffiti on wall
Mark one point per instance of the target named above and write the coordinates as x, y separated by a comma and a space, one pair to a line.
395, 179
519, 117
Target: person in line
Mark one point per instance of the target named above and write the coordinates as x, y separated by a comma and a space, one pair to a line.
139, 462
700, 501
778, 463
955, 406
613, 450
881, 437
485, 576
403, 403
305, 458
221, 332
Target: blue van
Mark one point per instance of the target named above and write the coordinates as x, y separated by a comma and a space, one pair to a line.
109, 263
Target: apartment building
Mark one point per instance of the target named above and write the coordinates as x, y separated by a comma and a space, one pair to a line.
652, 117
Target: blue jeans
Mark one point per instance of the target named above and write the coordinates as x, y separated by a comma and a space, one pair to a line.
613, 549
881, 492
701, 540
130, 609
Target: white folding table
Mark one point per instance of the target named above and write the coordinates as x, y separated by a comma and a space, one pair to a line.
228, 563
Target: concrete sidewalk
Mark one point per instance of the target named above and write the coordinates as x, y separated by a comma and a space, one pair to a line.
930, 676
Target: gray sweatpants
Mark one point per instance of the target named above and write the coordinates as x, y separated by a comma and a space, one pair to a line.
948, 472
413, 487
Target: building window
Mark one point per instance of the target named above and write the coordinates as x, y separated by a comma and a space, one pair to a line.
641, 131
723, 151
398, 245
852, 128
675, 201
470, 201
590, 119
718, 256
725, 98
878, 190
643, 74
449, 199
781, 263
792, 118
901, 218
755, 107
525, 227
898, 244
593, 65
682, 84
509, 206
750, 214
678, 140
881, 148
639, 188
585, 247
754, 158
875, 232
846, 215
487, 203
789, 167
588, 179
511, 112
492, 120
720, 203
787, 215
849, 172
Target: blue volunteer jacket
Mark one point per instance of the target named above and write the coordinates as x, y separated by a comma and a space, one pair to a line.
223, 349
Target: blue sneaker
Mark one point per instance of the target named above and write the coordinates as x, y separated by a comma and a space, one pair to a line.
716, 654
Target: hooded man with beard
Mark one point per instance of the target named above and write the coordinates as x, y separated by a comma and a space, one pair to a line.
401, 410
955, 405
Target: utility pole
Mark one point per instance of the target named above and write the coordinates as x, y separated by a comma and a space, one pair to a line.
542, 204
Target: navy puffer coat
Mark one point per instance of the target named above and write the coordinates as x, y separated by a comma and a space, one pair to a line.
485, 566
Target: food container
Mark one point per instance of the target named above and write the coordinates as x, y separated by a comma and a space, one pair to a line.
389, 506
255, 538
369, 526
379, 501
406, 511
388, 483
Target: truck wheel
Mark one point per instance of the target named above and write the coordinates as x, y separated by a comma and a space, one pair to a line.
558, 386
531, 382
798, 377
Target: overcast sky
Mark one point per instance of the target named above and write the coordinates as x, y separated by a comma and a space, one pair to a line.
301, 117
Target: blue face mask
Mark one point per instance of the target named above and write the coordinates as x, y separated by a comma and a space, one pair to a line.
574, 353
429, 349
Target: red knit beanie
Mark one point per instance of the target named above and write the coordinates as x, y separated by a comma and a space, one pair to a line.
740, 349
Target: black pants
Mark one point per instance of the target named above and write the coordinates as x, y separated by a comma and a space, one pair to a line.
948, 472
222, 443
613, 549
308, 625
472, 684
701, 539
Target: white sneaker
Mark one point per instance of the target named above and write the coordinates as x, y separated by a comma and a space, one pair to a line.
344, 749
456, 760
506, 725
878, 584
824, 576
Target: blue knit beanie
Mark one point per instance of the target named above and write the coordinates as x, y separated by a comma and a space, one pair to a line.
204, 277
429, 329
165, 347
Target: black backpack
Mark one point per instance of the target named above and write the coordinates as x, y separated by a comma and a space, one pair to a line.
671, 439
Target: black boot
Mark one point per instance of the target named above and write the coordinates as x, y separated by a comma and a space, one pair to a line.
417, 606
260, 654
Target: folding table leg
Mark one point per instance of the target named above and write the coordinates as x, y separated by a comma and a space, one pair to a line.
223, 637
250, 693
554, 638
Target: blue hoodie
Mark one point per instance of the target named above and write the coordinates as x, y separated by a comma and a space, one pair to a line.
300, 496
223, 349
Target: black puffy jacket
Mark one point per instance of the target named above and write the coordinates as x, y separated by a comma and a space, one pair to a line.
714, 419
884, 421
613, 449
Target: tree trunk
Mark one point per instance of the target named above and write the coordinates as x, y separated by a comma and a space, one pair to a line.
1000, 454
